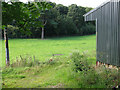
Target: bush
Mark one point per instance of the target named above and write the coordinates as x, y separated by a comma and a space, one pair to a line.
80, 61
91, 77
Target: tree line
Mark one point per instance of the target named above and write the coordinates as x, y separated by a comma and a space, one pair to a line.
31, 20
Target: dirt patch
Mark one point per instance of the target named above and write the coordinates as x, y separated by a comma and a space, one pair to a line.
60, 85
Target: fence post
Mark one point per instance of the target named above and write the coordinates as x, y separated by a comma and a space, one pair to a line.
6, 47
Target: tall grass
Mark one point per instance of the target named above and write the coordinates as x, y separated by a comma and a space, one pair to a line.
74, 71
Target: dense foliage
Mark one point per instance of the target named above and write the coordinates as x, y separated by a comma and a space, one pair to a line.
26, 20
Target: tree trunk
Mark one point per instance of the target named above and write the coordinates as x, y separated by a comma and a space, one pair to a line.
6, 47
42, 34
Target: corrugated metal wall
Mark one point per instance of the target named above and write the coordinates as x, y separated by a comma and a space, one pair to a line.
108, 31
119, 33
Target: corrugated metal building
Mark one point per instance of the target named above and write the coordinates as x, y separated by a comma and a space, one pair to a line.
107, 17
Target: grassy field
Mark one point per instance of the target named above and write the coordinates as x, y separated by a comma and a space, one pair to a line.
73, 69
44, 49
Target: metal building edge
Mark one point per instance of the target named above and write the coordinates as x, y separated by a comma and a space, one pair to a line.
0, 45
104, 3
119, 33
108, 31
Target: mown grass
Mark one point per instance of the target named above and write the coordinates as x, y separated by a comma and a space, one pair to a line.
44, 49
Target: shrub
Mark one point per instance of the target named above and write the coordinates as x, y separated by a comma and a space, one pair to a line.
80, 61
91, 77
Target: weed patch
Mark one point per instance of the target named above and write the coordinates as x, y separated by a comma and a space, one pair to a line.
74, 71
93, 78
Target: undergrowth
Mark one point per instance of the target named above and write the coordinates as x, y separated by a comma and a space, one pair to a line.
74, 71
92, 77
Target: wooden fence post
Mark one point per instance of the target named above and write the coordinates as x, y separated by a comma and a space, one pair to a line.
6, 47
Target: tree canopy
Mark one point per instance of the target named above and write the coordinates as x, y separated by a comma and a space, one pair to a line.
26, 19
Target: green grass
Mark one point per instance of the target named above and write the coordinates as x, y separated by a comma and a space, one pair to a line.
59, 73
44, 49
62, 71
